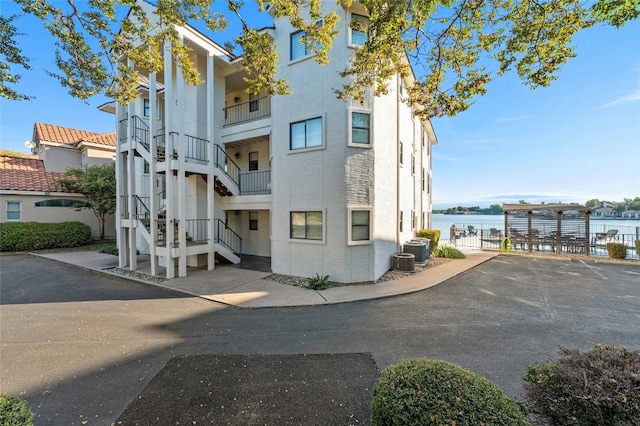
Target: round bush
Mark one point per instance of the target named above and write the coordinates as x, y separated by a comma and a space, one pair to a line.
14, 411
600, 386
430, 392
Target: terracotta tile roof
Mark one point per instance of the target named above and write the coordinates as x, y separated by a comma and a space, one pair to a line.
66, 135
27, 174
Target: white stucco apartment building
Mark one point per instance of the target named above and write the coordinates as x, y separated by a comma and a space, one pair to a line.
317, 184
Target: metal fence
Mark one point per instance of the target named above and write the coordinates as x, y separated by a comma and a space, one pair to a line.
545, 237
196, 230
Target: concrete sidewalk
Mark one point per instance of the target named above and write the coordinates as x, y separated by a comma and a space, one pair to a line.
248, 289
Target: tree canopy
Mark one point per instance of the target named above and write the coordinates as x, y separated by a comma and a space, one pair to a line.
455, 48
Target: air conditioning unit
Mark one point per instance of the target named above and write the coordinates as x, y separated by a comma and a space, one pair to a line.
420, 249
403, 262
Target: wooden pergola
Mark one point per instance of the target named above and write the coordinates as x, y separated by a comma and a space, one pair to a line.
564, 226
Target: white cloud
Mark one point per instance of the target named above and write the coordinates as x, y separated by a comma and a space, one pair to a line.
630, 98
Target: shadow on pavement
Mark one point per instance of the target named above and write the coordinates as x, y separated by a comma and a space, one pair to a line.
316, 389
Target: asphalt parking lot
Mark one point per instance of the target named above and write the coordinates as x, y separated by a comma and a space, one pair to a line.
80, 346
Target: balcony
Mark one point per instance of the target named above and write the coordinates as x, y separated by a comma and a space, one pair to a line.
254, 183
247, 111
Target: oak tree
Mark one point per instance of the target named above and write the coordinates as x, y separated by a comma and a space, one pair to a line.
455, 48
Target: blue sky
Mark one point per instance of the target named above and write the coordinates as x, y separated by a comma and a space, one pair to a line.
575, 140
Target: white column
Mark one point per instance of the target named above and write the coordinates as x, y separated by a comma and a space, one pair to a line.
121, 175
153, 172
211, 258
131, 184
182, 180
169, 104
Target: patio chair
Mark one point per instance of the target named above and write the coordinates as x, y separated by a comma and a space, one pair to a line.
612, 234
494, 232
472, 230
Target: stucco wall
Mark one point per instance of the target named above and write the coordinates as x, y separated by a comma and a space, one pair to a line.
31, 213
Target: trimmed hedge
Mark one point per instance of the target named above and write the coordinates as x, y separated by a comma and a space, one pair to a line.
617, 250
14, 411
430, 392
432, 234
600, 386
20, 236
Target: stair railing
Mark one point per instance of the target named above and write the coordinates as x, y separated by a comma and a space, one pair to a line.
227, 165
226, 237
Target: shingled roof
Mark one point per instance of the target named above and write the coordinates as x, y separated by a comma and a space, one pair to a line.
65, 135
27, 174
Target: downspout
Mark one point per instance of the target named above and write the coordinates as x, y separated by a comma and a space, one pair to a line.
398, 162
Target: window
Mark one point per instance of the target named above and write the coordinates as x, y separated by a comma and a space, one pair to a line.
400, 224
360, 128
413, 220
145, 111
84, 159
413, 164
360, 225
62, 202
253, 161
13, 210
423, 183
253, 103
401, 152
299, 49
145, 168
306, 225
359, 26
306, 134
253, 221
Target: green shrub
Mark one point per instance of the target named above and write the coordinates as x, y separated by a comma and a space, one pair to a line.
448, 252
432, 234
617, 250
430, 392
19, 236
600, 386
109, 250
318, 282
14, 411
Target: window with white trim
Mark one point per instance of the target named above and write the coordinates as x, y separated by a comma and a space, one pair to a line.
253, 161
359, 24
413, 220
413, 164
401, 154
145, 108
306, 225
306, 134
253, 221
360, 225
360, 128
423, 182
14, 210
401, 218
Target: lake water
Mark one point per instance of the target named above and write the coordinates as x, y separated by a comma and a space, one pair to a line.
443, 222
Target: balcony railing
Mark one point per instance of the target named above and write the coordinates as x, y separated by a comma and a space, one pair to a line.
124, 206
255, 183
197, 230
247, 111
196, 148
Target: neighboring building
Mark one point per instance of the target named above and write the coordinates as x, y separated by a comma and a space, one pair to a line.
603, 210
317, 184
28, 185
